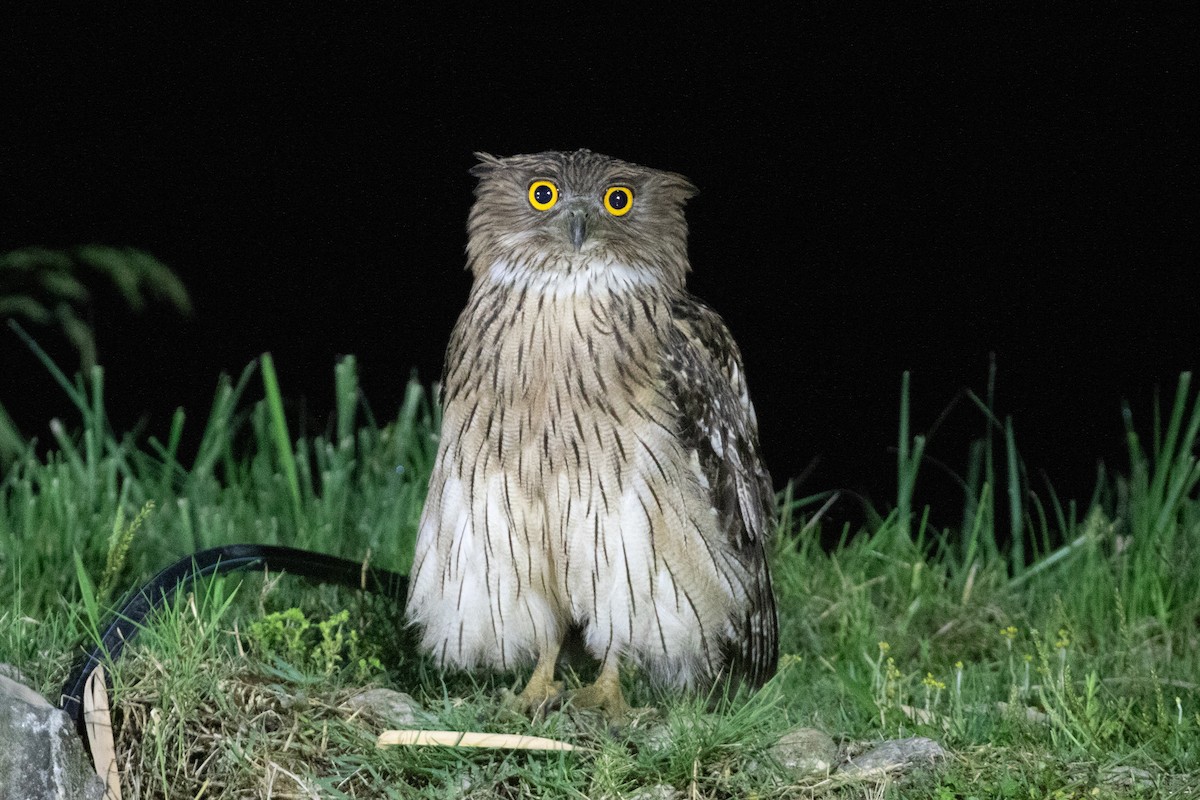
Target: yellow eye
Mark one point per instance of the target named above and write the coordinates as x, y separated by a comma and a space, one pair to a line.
618, 200
543, 195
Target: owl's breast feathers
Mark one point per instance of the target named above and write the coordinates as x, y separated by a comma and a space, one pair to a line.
704, 376
584, 383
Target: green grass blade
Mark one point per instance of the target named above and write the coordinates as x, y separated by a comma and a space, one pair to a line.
77, 396
1015, 507
12, 444
90, 601
346, 388
908, 462
283, 447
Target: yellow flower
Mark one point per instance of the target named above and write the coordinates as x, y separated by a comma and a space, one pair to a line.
790, 659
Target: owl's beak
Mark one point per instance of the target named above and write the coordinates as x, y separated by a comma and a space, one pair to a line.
577, 225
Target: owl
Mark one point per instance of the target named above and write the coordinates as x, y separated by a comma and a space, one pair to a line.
598, 473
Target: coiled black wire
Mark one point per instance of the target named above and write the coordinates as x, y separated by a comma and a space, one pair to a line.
124, 624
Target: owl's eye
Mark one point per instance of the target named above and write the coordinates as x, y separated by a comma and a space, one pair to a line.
543, 195
618, 200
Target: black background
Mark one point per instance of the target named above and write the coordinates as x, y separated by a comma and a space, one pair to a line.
881, 190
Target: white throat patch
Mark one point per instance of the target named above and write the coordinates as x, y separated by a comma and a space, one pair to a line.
593, 276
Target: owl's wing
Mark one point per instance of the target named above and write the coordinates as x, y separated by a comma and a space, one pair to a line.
706, 381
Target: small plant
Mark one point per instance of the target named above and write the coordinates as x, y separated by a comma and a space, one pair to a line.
887, 683
933, 691
322, 648
118, 546
281, 635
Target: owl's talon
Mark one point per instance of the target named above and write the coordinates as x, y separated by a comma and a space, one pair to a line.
541, 693
605, 696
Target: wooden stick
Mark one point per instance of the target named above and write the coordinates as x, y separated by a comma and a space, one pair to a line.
98, 724
501, 741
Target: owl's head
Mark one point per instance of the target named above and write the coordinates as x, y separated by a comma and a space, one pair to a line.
558, 213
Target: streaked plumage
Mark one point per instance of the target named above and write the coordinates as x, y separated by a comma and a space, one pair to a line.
598, 466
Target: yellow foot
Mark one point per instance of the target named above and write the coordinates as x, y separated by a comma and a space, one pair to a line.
540, 694
605, 696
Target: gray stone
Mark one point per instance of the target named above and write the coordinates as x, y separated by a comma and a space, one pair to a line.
806, 751
658, 791
897, 755
1129, 777
394, 708
14, 688
41, 755
13, 674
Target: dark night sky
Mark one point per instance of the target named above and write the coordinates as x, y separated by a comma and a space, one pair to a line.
880, 191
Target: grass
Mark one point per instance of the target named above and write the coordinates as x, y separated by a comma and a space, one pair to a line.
1052, 648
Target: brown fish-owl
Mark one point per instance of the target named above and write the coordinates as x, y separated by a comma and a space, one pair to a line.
598, 470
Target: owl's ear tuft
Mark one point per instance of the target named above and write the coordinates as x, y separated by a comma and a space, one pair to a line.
681, 187
487, 164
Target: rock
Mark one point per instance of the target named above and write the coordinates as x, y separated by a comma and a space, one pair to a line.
897, 755
658, 791
660, 735
394, 708
41, 755
1129, 777
12, 673
12, 688
806, 751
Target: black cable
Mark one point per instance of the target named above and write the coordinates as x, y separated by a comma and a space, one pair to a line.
123, 625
